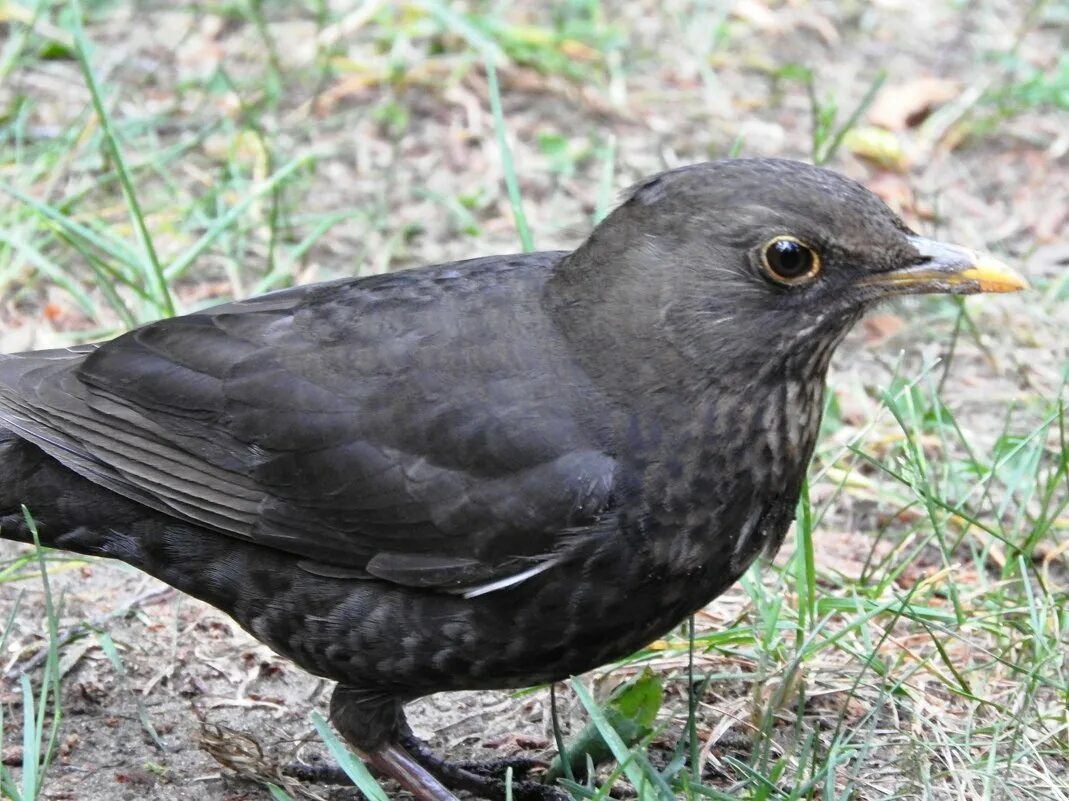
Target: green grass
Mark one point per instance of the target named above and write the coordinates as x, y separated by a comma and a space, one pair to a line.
42, 715
934, 665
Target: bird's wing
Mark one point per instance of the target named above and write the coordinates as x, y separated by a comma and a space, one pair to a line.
395, 435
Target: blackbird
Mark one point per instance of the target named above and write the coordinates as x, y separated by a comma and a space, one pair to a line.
484, 474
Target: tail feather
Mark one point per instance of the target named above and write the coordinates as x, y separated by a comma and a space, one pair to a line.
72, 513
260, 587
65, 510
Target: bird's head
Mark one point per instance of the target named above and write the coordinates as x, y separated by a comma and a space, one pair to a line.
755, 259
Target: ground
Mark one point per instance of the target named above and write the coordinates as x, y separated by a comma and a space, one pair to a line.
271, 143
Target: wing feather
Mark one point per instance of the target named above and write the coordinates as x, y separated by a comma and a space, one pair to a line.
373, 428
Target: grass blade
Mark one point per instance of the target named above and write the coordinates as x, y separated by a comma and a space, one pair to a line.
177, 267
627, 758
511, 183
353, 767
152, 270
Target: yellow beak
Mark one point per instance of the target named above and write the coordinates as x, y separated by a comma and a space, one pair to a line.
950, 269
993, 276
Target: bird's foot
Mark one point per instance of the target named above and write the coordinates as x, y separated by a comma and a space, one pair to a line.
414, 765
389, 761
498, 768
320, 772
317, 772
484, 779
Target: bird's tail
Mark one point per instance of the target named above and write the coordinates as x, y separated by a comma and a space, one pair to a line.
71, 513
17, 465
38, 496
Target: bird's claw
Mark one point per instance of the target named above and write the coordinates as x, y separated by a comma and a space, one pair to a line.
486, 779
497, 768
317, 773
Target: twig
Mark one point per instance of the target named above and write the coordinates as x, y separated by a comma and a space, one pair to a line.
84, 629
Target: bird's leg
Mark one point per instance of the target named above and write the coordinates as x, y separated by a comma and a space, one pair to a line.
374, 723
394, 761
414, 766
390, 761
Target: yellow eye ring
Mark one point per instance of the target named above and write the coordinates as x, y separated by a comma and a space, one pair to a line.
788, 260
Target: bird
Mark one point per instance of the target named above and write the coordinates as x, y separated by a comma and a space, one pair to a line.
490, 473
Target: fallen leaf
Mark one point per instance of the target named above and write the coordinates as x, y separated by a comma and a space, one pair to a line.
907, 105
1049, 261
1050, 223
879, 327
878, 146
630, 710
894, 190
755, 14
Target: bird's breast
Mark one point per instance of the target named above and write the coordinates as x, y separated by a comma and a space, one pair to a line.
708, 490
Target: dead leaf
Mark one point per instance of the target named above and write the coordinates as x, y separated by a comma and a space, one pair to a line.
855, 407
1049, 261
877, 146
755, 14
1050, 223
894, 190
848, 554
879, 327
907, 105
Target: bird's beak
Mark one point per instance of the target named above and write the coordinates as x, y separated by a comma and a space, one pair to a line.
947, 268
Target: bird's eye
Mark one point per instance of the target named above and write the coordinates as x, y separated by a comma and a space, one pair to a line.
789, 261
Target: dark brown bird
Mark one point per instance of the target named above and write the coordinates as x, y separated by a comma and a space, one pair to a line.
482, 474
